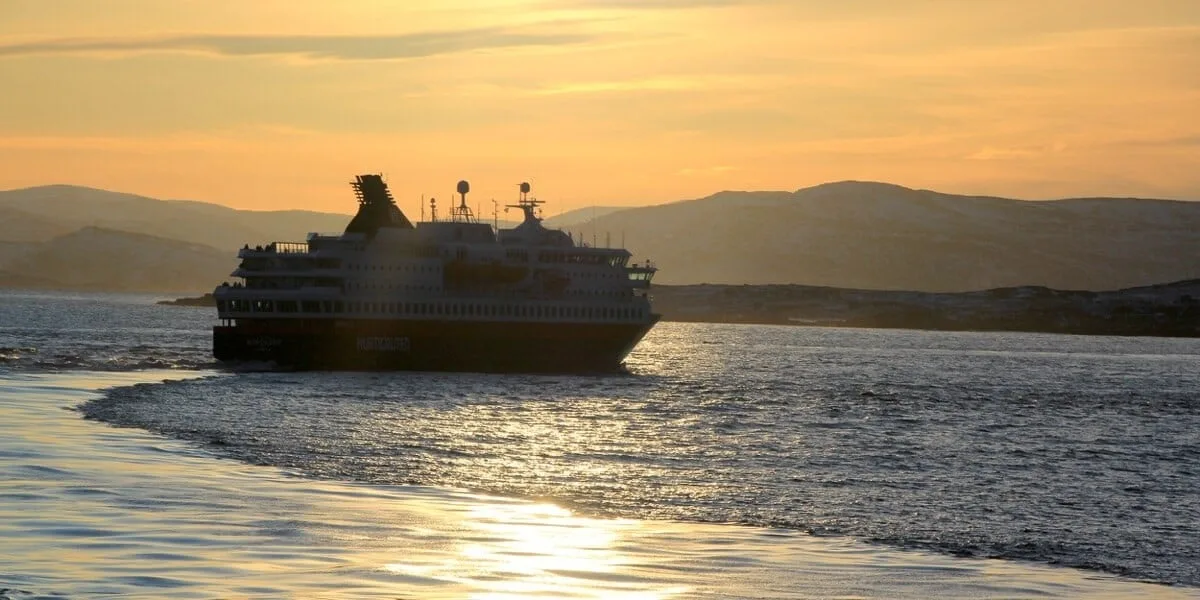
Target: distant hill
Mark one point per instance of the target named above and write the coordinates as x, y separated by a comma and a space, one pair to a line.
882, 236
20, 226
56, 209
848, 235
579, 216
103, 259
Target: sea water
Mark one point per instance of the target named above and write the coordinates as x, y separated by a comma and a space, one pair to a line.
732, 461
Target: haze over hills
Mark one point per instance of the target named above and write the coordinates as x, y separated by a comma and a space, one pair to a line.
58, 209
882, 236
94, 258
847, 234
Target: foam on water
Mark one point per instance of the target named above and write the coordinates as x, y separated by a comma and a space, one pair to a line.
88, 510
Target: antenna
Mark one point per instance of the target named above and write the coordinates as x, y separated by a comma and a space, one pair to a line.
433, 209
422, 207
526, 204
496, 214
462, 212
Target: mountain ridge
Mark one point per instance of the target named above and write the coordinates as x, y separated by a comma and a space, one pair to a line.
847, 234
883, 236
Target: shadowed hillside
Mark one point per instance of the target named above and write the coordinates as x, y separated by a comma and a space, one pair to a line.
20, 226
103, 259
880, 236
849, 235
56, 209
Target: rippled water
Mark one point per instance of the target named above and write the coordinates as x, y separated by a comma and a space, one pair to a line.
1077, 451
88, 511
100, 332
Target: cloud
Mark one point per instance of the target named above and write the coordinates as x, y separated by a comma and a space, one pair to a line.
1015, 152
1164, 142
335, 47
716, 170
649, 4
655, 84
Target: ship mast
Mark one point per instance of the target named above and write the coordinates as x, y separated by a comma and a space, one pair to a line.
526, 204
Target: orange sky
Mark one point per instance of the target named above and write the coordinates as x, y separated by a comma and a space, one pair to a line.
278, 103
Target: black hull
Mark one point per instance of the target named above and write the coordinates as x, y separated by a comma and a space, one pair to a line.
501, 347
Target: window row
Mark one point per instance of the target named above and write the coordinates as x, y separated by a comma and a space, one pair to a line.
435, 309
389, 285
403, 268
583, 258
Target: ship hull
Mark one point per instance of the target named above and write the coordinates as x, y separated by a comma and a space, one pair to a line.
397, 345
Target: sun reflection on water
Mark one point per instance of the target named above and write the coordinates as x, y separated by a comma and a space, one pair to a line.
518, 550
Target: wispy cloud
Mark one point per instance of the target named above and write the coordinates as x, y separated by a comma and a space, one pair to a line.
654, 84
337, 47
651, 4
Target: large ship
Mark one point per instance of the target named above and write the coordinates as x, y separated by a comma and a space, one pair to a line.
444, 294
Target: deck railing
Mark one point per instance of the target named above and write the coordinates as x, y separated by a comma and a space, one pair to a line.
289, 247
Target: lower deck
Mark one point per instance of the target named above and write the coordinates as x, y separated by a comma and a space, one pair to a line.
427, 345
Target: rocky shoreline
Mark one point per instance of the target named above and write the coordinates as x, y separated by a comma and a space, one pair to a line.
207, 300
1162, 310
1171, 309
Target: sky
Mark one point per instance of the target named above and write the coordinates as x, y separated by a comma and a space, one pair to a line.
276, 104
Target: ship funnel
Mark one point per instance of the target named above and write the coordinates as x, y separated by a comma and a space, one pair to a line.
376, 208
